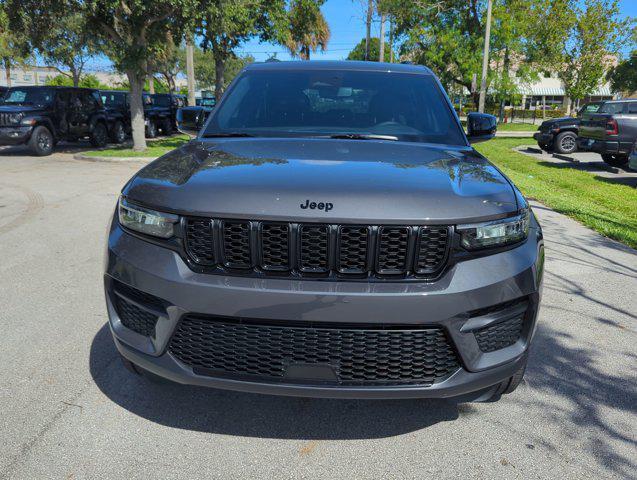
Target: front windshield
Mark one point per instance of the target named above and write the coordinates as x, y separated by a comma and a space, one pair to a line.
28, 96
406, 107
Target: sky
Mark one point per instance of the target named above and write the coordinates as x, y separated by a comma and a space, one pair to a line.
346, 19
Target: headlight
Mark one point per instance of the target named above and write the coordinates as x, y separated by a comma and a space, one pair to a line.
497, 233
146, 221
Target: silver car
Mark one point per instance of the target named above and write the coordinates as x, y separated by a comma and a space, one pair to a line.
330, 232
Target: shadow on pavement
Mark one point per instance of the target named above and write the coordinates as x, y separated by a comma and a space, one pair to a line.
262, 416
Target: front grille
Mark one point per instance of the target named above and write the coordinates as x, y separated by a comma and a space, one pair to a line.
128, 302
270, 351
499, 335
354, 251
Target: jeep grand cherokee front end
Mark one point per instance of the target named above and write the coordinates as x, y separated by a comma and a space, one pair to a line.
330, 232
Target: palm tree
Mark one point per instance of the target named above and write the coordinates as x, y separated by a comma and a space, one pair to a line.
309, 30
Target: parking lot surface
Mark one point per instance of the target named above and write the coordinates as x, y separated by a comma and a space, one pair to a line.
70, 410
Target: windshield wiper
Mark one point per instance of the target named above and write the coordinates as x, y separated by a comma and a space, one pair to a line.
363, 136
228, 134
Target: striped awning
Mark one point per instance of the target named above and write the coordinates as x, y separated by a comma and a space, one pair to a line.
539, 91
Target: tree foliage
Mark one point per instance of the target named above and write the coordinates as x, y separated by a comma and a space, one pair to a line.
86, 81
358, 52
623, 77
577, 40
14, 44
308, 29
205, 72
226, 24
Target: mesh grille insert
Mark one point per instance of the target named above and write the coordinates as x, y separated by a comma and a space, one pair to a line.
219, 346
392, 250
500, 335
275, 244
432, 249
200, 241
352, 252
314, 248
236, 244
135, 318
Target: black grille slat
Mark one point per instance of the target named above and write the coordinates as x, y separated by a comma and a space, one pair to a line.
200, 241
236, 244
275, 246
132, 315
353, 249
431, 254
392, 250
347, 251
314, 248
358, 356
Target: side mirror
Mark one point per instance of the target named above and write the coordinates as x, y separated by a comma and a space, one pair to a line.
481, 127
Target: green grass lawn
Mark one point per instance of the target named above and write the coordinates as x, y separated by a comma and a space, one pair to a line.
597, 202
517, 127
156, 148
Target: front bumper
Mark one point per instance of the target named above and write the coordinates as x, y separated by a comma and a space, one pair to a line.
15, 135
467, 286
544, 138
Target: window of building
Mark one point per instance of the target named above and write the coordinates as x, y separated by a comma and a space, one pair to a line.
14, 76
27, 77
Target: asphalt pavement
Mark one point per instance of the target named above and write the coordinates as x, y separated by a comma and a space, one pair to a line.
71, 411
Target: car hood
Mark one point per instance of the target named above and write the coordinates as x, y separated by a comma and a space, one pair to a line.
26, 109
364, 181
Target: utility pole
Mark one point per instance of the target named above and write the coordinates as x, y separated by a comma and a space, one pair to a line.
190, 70
391, 40
485, 60
368, 27
381, 56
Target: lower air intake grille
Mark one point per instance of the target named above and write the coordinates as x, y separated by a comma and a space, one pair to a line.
357, 356
499, 335
127, 302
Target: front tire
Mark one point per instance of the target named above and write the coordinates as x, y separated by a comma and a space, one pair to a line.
118, 135
167, 127
151, 129
99, 136
41, 141
566, 142
615, 160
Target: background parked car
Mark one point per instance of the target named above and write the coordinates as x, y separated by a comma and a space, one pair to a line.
117, 105
42, 116
191, 119
560, 134
160, 111
611, 132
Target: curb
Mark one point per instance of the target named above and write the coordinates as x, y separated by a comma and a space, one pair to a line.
90, 158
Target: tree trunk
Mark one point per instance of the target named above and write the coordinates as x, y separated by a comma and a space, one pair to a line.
381, 56
220, 68
76, 78
190, 70
151, 84
368, 27
7, 71
136, 83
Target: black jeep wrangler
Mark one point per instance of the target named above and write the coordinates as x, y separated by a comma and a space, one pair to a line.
42, 116
117, 104
560, 134
160, 112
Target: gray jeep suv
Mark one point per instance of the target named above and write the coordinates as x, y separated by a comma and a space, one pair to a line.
332, 233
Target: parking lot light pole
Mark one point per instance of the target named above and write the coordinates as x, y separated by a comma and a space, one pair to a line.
485, 60
190, 71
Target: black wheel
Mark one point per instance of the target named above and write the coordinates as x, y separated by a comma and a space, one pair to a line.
41, 141
509, 385
118, 134
615, 160
565, 142
151, 129
137, 370
166, 127
99, 136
